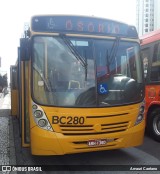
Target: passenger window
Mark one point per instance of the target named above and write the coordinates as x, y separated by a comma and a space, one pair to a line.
155, 66
145, 59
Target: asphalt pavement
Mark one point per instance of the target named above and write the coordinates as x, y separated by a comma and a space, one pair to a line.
7, 148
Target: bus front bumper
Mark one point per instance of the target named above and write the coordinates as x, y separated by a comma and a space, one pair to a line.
51, 143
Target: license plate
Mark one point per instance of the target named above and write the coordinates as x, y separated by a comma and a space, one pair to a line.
100, 142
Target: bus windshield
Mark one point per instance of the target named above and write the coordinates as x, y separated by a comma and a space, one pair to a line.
85, 72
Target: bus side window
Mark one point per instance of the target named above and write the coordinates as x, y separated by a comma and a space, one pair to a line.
155, 69
145, 65
14, 78
145, 59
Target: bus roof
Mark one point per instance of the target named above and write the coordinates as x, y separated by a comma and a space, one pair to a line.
150, 37
81, 24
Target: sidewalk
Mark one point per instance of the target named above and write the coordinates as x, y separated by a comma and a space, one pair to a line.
7, 147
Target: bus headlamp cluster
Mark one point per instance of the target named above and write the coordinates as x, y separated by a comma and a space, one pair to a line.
38, 114
42, 123
40, 118
140, 116
141, 110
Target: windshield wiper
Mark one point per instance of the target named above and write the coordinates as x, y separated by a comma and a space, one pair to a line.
74, 51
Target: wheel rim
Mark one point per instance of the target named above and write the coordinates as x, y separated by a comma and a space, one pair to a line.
156, 124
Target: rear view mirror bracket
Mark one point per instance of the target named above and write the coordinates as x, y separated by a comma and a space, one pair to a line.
24, 49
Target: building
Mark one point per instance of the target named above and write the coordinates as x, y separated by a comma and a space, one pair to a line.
157, 14
147, 13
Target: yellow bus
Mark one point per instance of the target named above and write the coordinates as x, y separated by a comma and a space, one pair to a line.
80, 85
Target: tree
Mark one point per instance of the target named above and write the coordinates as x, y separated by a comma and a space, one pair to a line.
3, 82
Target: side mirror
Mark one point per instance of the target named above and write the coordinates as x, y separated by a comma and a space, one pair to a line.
24, 49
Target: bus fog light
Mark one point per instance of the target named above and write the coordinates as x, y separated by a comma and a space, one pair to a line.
38, 114
139, 119
42, 123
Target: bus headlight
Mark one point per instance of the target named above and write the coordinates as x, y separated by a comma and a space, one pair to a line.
140, 116
40, 118
34, 106
139, 119
42, 123
38, 114
141, 110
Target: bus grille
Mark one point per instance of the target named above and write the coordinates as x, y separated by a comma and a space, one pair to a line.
73, 130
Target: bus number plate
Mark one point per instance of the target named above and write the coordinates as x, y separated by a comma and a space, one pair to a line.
100, 142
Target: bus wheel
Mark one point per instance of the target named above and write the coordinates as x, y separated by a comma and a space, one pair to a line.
153, 124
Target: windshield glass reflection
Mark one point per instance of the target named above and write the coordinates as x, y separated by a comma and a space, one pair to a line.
76, 72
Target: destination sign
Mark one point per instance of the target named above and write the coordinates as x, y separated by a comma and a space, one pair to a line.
79, 24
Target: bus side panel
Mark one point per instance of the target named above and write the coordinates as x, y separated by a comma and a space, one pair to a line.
24, 121
152, 95
14, 92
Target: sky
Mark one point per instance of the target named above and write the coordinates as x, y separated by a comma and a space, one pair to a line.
15, 13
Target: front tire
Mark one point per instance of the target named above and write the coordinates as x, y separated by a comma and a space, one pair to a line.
153, 124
